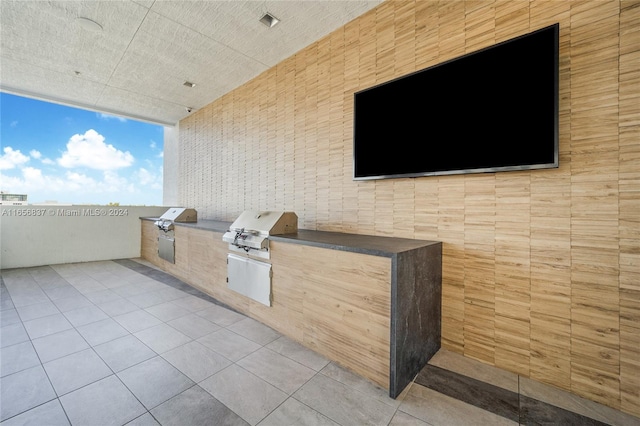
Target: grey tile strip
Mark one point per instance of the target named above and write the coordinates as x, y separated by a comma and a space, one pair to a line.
483, 395
505, 403
169, 280
534, 412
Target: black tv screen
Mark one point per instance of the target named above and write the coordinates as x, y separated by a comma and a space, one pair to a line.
491, 110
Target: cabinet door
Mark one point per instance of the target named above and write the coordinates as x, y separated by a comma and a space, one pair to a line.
249, 277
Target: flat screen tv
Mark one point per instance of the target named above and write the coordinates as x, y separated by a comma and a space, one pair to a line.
488, 111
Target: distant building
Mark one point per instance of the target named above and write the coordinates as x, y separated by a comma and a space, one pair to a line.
7, 199
51, 203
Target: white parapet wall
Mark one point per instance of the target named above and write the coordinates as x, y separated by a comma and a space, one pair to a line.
35, 235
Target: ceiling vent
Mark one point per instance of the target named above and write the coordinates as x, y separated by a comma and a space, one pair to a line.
269, 20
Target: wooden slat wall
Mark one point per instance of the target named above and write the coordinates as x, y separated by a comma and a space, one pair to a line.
540, 268
595, 299
629, 203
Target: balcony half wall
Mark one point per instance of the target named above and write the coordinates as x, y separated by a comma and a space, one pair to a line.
47, 235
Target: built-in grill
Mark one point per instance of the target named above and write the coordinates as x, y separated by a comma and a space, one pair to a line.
250, 232
248, 236
176, 214
165, 224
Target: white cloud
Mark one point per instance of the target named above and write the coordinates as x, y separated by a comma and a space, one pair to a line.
14, 124
114, 183
109, 182
99, 178
72, 184
32, 180
154, 146
90, 150
145, 176
32, 174
148, 178
104, 116
142, 187
34, 153
79, 181
12, 158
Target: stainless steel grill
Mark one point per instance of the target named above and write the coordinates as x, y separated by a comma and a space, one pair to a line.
249, 235
250, 232
175, 214
165, 224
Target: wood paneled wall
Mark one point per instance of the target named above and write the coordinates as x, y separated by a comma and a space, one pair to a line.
541, 269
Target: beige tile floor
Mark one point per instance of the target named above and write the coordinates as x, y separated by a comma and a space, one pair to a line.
100, 344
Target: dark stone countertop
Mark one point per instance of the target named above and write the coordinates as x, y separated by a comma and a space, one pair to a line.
357, 243
365, 244
207, 225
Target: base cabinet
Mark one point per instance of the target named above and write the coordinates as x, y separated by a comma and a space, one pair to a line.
166, 248
377, 315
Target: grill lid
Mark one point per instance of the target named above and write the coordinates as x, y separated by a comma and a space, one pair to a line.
266, 223
251, 229
176, 214
180, 214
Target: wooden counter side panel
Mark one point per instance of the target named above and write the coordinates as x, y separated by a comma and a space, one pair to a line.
149, 241
208, 269
344, 301
285, 312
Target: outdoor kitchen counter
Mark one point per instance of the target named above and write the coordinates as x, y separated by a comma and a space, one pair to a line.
365, 244
382, 295
207, 225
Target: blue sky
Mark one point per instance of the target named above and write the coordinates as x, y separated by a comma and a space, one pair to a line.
54, 152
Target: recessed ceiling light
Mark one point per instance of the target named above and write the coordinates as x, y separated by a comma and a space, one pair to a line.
89, 24
188, 84
269, 20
